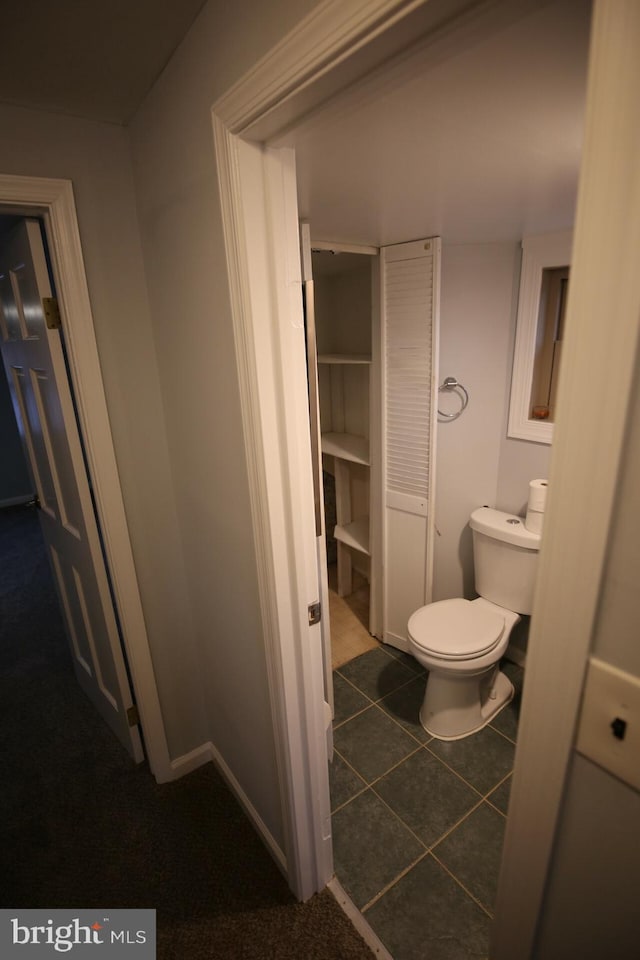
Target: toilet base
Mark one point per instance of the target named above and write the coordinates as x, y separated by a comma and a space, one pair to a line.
455, 707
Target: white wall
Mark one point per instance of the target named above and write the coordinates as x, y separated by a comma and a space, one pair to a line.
180, 221
476, 464
96, 158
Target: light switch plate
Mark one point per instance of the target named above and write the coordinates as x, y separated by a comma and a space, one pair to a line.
611, 703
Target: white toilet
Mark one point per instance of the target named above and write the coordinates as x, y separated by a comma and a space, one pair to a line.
460, 642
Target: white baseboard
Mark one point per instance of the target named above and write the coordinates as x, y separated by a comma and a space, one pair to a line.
207, 753
400, 643
192, 760
358, 920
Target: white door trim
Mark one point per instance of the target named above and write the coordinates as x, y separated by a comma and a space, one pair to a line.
259, 212
53, 199
288, 94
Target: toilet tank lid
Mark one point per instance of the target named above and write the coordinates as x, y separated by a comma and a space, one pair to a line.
504, 526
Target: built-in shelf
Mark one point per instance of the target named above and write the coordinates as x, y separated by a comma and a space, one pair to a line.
346, 446
343, 358
343, 321
354, 534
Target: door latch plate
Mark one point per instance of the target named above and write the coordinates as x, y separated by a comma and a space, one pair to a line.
315, 613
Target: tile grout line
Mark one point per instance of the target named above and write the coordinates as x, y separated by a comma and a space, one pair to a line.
392, 883
503, 735
428, 847
461, 885
493, 790
455, 772
376, 703
368, 783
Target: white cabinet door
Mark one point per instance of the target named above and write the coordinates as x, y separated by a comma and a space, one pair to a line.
35, 365
410, 275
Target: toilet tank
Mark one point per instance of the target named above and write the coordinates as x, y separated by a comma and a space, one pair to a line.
505, 556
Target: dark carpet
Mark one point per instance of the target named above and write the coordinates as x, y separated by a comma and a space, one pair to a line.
82, 826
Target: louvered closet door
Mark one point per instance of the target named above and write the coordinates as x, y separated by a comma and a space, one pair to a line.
409, 298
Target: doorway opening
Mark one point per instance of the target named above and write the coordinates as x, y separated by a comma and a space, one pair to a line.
55, 473
48, 410
341, 207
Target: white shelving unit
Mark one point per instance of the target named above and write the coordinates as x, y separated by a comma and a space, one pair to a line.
346, 323
345, 404
338, 358
347, 446
355, 534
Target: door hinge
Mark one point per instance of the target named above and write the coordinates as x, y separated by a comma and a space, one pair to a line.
133, 716
315, 613
51, 313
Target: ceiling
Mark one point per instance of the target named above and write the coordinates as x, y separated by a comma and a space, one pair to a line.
89, 59
482, 145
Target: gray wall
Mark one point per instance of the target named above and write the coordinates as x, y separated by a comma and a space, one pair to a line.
476, 463
182, 240
95, 157
595, 871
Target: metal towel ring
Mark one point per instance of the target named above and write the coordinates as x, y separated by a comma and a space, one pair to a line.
450, 383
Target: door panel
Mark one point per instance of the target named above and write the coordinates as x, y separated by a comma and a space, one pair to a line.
36, 371
409, 301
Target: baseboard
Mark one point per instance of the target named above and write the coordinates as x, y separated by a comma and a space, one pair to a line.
16, 501
188, 762
369, 935
207, 753
400, 643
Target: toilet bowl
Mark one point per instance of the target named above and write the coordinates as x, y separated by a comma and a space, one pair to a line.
460, 642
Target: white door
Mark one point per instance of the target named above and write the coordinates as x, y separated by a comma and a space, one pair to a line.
316, 458
410, 279
34, 361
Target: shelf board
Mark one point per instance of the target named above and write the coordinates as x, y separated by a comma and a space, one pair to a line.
343, 358
354, 534
346, 446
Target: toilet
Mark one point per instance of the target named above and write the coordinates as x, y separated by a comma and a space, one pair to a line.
460, 642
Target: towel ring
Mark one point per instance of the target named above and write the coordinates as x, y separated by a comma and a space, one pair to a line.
450, 383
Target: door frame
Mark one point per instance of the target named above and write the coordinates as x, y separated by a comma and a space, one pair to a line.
53, 200
318, 58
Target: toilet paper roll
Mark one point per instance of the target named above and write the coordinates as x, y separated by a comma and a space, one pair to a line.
533, 521
535, 506
537, 495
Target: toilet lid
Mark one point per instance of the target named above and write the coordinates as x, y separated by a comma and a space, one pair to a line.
456, 629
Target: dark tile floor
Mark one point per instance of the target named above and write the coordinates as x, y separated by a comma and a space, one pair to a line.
418, 823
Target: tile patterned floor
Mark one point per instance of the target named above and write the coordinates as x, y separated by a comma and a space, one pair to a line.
418, 823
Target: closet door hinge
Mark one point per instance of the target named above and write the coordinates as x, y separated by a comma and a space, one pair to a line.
51, 313
315, 613
133, 717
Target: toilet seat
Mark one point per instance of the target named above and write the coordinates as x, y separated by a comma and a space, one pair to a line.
456, 629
